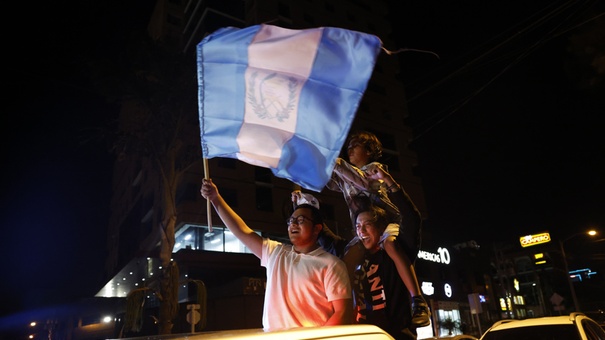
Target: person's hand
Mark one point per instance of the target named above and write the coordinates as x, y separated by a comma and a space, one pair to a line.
209, 190
376, 172
296, 195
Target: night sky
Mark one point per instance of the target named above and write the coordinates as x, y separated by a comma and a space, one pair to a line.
508, 138
508, 134
56, 171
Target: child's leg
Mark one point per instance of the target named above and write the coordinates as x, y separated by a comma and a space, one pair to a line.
420, 309
410, 279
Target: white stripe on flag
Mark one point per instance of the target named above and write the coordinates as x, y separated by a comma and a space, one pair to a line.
273, 85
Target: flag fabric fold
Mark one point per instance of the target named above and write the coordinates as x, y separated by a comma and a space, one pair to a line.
280, 98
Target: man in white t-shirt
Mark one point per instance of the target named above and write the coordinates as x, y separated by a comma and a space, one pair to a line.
306, 286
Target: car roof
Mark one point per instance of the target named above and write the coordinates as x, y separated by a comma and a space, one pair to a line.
453, 337
547, 320
356, 331
578, 322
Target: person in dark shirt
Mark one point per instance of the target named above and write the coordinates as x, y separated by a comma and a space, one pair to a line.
380, 294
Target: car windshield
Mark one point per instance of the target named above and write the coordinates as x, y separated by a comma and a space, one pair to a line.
548, 332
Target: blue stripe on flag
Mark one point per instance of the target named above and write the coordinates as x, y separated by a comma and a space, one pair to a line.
332, 95
222, 61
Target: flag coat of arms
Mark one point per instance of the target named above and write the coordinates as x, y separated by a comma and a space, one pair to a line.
280, 98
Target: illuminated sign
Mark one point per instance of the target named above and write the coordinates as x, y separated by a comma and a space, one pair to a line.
502, 304
443, 256
427, 288
539, 258
532, 240
447, 289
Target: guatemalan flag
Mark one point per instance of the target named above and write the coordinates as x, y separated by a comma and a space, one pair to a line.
282, 99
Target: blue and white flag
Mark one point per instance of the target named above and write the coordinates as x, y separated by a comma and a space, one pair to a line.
282, 99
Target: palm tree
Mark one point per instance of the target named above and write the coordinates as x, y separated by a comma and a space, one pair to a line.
450, 325
158, 126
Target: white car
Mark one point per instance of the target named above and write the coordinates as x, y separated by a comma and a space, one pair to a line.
345, 332
575, 326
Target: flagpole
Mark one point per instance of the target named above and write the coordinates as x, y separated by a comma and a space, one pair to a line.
208, 207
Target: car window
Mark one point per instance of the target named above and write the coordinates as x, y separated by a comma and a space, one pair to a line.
593, 330
550, 332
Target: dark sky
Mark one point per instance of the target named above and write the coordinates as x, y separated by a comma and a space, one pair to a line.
56, 177
509, 137
508, 143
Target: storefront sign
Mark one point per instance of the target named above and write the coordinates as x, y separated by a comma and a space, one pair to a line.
443, 256
447, 289
532, 240
427, 288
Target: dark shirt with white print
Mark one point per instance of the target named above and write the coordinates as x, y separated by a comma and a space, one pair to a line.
381, 297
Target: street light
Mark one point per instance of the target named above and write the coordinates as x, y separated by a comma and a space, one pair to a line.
571, 287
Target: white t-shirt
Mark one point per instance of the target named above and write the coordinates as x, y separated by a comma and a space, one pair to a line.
300, 287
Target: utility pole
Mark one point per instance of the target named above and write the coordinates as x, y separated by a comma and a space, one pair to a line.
571, 286
591, 233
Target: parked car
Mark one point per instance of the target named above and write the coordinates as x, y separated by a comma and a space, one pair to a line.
348, 332
576, 326
598, 316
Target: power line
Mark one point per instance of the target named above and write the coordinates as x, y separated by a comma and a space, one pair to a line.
543, 20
